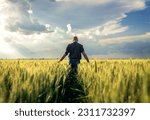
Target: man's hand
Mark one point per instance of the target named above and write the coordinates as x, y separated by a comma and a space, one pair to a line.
62, 58
58, 61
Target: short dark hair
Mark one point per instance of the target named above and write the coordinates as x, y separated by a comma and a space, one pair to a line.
75, 38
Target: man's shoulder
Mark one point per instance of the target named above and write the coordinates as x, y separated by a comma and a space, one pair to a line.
74, 44
69, 44
80, 44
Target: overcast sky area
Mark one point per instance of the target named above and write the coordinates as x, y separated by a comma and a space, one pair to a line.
43, 28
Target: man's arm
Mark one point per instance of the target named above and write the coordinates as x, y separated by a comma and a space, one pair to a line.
85, 56
62, 57
66, 53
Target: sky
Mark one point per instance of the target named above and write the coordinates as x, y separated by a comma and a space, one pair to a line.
43, 28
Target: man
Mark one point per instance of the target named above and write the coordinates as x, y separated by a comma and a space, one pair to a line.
74, 49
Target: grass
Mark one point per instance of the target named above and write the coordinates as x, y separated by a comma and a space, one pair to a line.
42, 81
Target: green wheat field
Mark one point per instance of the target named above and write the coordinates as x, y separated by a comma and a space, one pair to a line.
100, 81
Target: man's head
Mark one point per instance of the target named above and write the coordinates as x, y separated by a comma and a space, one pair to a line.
75, 39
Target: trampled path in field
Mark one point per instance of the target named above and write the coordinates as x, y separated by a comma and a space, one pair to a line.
71, 91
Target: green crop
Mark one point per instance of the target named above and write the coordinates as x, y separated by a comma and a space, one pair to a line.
42, 81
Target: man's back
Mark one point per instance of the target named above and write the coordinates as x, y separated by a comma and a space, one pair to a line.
74, 49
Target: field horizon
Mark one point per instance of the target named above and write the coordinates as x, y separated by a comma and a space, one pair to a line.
125, 58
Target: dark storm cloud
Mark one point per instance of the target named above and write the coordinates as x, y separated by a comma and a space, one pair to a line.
26, 24
27, 28
136, 49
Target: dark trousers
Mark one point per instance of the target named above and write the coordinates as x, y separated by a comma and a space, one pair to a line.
74, 63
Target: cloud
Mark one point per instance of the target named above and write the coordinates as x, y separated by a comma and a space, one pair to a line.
22, 19
37, 14
43, 28
24, 51
7, 51
109, 28
49, 28
109, 41
30, 11
85, 1
86, 16
138, 49
69, 28
28, 28
132, 49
